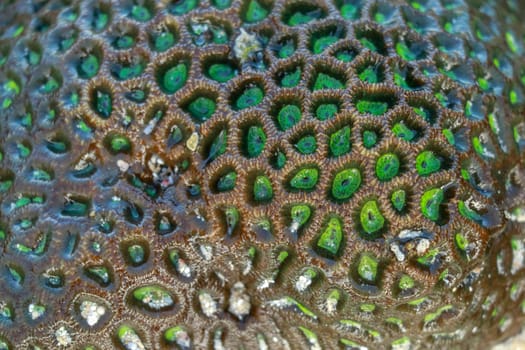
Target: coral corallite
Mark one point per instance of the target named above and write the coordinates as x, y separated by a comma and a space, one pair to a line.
261, 174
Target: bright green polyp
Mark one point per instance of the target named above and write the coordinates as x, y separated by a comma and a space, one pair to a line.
322, 43
250, 97
461, 241
387, 166
174, 334
346, 183
262, 189
232, 216
300, 214
119, 144
288, 116
398, 200
406, 282
427, 163
202, 108
331, 237
174, 78
326, 81
340, 142
367, 268
221, 72
255, 141
255, 12
306, 144
326, 111
305, 179
371, 218
372, 107
88, 66
402, 131
430, 202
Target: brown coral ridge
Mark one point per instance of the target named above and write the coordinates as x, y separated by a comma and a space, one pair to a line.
269, 174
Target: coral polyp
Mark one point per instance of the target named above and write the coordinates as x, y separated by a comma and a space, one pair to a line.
266, 174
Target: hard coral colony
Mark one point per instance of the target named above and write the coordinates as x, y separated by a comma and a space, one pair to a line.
261, 174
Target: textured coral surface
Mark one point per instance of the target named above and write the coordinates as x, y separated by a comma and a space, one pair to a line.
261, 174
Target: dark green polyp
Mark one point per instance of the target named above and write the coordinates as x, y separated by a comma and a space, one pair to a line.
174, 78
326, 111
88, 66
227, 182
255, 11
103, 104
221, 72
288, 116
340, 142
306, 144
255, 141
291, 78
369, 138
250, 97
201, 108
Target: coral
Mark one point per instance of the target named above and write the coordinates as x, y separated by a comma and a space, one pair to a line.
267, 174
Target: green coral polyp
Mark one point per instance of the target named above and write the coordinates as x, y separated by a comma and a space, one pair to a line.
367, 268
340, 142
288, 116
375, 108
118, 144
371, 219
255, 141
250, 97
326, 111
227, 182
346, 183
262, 189
431, 201
306, 144
103, 103
88, 66
221, 72
305, 179
327, 81
291, 78
174, 78
427, 162
202, 108
330, 240
387, 166
255, 11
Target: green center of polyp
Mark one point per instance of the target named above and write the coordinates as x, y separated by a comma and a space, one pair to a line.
250, 97
221, 72
174, 78
288, 116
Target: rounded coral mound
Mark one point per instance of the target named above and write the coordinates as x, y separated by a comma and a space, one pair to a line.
261, 174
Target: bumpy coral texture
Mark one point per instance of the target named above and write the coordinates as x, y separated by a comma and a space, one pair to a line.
261, 174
